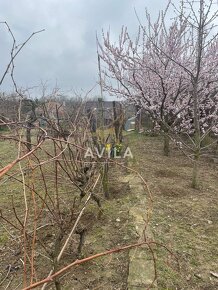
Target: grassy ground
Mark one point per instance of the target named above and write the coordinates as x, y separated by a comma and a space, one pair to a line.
113, 229
184, 219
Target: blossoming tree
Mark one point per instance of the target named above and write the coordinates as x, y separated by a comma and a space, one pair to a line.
170, 70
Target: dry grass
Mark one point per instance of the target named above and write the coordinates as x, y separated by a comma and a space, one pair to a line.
101, 233
183, 218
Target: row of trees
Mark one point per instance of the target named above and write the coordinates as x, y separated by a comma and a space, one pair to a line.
170, 70
49, 175
51, 181
56, 184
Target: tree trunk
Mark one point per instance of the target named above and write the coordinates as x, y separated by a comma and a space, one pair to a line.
195, 174
105, 180
116, 122
197, 139
57, 284
137, 119
28, 137
57, 248
196, 110
166, 144
195, 169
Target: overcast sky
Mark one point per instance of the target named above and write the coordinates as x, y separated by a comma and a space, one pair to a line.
66, 52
